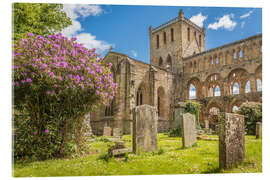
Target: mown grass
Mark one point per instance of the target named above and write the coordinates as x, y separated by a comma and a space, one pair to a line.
172, 159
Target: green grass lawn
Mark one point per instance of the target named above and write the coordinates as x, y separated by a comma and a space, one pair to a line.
202, 158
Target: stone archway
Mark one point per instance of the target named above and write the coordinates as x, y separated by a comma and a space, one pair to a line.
161, 102
194, 85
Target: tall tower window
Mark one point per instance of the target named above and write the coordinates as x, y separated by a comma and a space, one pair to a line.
200, 40
195, 34
188, 34
139, 99
164, 37
172, 38
157, 41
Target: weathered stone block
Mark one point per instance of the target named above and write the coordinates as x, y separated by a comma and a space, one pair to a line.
179, 109
231, 140
107, 131
189, 135
258, 130
116, 132
144, 129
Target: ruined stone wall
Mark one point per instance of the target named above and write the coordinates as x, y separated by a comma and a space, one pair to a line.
239, 62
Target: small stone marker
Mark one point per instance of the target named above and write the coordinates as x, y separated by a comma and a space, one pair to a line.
116, 132
258, 130
231, 140
119, 149
179, 109
107, 131
144, 129
189, 135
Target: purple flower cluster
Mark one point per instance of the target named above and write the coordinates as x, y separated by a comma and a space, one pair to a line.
61, 64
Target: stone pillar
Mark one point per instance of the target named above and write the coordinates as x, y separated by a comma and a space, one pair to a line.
258, 130
87, 124
189, 135
179, 109
144, 135
206, 124
107, 131
231, 139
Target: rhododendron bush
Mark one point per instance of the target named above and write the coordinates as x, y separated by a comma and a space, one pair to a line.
55, 81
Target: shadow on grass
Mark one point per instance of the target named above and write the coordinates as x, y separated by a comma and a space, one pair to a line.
212, 171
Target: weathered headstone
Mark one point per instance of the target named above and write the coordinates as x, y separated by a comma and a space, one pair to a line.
206, 124
231, 140
179, 109
119, 149
107, 131
189, 134
258, 130
144, 129
116, 132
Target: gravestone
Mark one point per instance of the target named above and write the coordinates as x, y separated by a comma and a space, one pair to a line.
144, 134
116, 132
107, 131
258, 130
179, 109
231, 140
189, 134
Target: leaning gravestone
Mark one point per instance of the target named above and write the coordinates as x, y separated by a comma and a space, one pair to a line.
189, 134
231, 140
258, 130
107, 131
144, 129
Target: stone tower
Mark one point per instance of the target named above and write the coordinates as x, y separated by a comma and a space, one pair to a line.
174, 40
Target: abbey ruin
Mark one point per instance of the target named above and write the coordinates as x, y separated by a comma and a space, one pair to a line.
180, 68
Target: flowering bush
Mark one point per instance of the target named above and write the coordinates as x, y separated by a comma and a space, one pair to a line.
55, 81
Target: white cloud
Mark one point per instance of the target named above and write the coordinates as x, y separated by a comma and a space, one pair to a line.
246, 15
90, 41
75, 30
134, 53
224, 22
198, 19
243, 24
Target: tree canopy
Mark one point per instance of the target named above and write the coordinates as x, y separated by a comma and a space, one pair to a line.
38, 18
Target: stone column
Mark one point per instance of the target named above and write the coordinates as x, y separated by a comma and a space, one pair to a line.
179, 110
144, 135
206, 124
258, 130
231, 131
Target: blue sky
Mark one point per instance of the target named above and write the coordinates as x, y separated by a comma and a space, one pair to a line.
125, 27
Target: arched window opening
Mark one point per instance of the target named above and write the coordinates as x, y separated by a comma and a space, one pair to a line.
169, 61
235, 88
160, 102
164, 37
235, 108
215, 77
217, 60
158, 106
234, 55
259, 85
212, 61
109, 110
157, 41
160, 62
139, 99
172, 35
200, 40
217, 91
247, 87
192, 91
241, 54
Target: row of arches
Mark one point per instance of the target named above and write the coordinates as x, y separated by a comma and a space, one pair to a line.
237, 82
230, 56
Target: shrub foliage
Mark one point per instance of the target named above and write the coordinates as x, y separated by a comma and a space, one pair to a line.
193, 107
253, 114
55, 82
